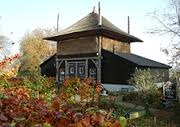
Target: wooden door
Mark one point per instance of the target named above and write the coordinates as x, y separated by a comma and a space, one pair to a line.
81, 70
77, 69
72, 69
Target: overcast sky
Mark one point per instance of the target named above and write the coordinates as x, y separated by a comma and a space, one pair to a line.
20, 16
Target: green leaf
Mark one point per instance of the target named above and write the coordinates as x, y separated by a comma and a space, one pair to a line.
123, 121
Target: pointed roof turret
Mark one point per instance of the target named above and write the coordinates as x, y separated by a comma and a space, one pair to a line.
89, 26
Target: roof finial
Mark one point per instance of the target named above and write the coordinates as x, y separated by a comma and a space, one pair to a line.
57, 23
100, 18
128, 25
94, 9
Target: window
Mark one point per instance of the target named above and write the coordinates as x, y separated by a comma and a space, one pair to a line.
71, 70
62, 74
92, 73
81, 70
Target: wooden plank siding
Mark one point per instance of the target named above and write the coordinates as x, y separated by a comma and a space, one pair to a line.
77, 46
90, 45
117, 46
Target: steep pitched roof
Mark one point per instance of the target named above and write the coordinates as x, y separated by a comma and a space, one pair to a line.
53, 57
139, 60
89, 25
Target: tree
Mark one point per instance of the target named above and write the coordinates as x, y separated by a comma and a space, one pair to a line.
144, 80
169, 24
9, 62
5, 45
34, 49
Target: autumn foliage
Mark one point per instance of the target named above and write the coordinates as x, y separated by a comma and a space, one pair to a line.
9, 66
19, 108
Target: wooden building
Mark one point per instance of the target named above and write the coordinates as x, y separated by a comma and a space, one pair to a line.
94, 47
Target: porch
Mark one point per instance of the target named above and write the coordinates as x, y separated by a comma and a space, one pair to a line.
79, 65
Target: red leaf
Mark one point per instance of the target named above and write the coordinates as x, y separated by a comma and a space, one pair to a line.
3, 117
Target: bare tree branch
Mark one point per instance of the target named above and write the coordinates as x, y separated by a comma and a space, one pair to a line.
168, 28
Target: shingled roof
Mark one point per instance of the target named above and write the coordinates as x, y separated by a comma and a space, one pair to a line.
139, 60
89, 26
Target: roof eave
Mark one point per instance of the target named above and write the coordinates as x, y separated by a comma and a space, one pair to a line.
162, 67
119, 36
45, 61
93, 32
73, 35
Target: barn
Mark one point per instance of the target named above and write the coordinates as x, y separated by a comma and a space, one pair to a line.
94, 47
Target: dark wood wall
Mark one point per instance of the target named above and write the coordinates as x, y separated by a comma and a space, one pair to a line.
48, 68
116, 70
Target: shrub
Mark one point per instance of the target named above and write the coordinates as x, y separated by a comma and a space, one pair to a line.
40, 86
19, 109
144, 80
75, 90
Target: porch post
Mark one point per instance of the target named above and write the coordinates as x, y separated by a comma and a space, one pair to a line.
57, 83
66, 69
86, 68
99, 59
57, 70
